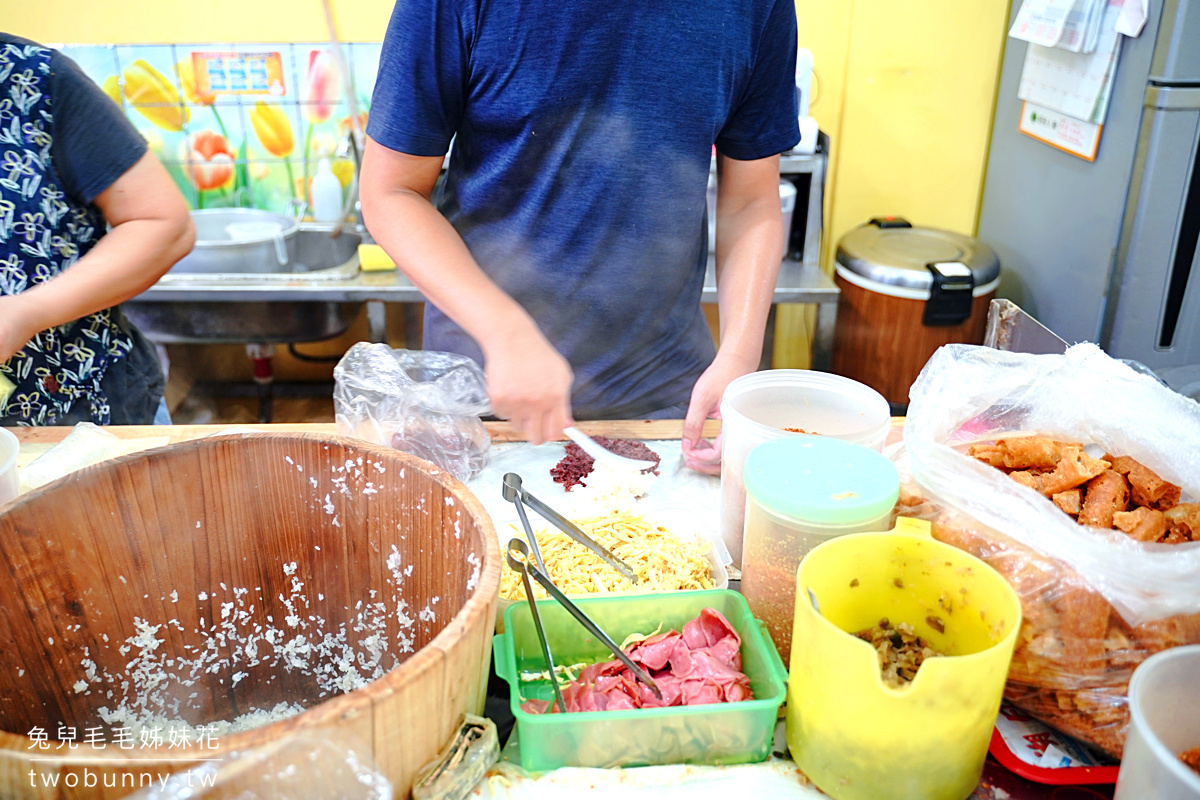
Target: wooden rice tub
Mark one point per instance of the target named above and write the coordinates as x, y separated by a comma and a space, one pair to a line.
91, 560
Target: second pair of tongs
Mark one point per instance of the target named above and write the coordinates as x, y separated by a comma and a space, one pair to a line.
518, 560
516, 495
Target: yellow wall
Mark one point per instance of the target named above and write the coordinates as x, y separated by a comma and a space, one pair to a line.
168, 21
906, 92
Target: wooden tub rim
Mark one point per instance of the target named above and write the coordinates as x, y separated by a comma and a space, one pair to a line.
18, 747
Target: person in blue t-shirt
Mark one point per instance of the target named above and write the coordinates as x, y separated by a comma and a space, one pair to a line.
567, 246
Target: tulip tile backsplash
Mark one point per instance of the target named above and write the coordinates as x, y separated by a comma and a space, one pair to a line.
239, 125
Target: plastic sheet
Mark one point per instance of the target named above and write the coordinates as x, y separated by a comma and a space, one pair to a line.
676, 486
293, 768
84, 446
1096, 603
423, 402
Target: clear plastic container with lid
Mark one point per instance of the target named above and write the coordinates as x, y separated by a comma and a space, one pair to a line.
802, 491
782, 403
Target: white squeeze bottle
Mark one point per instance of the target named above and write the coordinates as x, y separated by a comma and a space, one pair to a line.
326, 194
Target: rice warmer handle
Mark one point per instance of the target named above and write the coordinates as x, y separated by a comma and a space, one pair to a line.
945, 268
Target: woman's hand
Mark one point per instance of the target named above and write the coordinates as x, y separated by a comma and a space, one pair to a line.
16, 326
529, 382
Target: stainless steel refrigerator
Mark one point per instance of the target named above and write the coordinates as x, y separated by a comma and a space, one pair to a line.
1106, 251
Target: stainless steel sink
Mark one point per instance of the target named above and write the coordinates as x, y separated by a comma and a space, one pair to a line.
318, 257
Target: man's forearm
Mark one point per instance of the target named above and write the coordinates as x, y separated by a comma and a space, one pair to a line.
748, 254
529, 382
749, 233
427, 249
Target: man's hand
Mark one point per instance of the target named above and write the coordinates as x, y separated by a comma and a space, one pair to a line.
529, 383
699, 454
749, 249
16, 329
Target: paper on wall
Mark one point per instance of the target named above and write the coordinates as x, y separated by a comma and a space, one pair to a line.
1041, 22
1081, 32
1075, 84
1133, 17
1074, 136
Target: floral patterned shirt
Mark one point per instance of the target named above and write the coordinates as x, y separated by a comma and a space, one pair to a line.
44, 229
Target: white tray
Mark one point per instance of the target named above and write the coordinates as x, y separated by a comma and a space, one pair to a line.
679, 521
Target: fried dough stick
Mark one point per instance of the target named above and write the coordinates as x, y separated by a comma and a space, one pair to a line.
1075, 468
1148, 488
1184, 520
1107, 493
1026, 452
1070, 501
1142, 524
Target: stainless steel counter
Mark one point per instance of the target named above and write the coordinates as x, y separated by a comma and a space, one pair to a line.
797, 283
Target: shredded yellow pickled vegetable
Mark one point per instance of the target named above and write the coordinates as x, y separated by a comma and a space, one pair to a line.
662, 561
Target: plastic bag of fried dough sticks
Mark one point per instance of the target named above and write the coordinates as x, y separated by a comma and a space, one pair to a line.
1096, 602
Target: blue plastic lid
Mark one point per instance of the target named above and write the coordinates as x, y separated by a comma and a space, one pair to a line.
820, 479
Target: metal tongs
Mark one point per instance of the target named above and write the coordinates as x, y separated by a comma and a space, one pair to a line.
514, 494
518, 560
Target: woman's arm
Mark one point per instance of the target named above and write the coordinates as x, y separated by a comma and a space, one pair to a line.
529, 382
151, 230
749, 249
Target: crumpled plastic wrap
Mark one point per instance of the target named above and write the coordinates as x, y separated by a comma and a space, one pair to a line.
297, 767
1095, 603
423, 402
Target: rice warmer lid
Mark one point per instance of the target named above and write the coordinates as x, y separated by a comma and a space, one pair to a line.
890, 251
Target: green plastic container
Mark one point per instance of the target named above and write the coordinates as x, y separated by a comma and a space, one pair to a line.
723, 733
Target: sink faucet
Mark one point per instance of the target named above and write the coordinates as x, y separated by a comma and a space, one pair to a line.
348, 148
297, 208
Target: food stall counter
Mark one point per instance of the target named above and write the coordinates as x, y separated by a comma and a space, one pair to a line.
508, 781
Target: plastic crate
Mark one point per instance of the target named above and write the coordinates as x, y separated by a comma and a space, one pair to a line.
723, 733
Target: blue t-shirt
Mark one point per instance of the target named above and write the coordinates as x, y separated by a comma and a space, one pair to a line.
583, 133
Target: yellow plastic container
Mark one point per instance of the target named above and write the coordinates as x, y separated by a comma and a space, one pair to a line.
852, 735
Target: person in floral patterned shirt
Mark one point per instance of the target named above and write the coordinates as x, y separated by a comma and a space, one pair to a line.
88, 219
